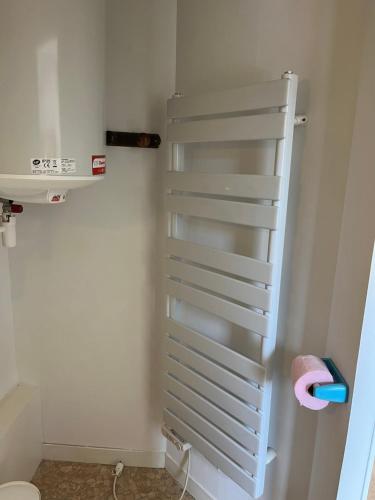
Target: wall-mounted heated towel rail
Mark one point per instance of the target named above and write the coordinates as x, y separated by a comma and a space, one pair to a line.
216, 397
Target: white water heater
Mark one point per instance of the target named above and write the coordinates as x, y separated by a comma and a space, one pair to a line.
51, 97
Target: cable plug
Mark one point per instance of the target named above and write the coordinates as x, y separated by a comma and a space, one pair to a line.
118, 470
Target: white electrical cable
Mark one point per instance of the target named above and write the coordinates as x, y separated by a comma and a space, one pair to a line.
187, 475
117, 473
120, 467
114, 488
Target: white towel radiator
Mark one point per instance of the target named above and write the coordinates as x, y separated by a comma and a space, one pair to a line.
215, 397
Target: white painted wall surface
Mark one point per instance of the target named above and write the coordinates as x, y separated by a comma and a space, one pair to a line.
85, 273
224, 44
8, 370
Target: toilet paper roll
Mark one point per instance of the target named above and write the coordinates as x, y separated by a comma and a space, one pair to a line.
307, 371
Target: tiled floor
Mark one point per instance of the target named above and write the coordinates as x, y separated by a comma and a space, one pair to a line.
76, 481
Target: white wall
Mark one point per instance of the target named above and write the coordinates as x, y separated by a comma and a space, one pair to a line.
85, 273
8, 371
224, 44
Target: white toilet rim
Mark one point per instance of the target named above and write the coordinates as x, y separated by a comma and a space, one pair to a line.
22, 487
20, 483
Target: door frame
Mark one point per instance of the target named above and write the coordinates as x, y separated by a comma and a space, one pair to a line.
359, 453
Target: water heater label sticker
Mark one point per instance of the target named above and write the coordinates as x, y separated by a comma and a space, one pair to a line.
98, 165
53, 166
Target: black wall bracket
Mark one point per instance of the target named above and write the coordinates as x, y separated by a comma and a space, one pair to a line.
132, 139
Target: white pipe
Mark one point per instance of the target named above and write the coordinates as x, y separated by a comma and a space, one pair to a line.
8, 230
300, 120
2, 230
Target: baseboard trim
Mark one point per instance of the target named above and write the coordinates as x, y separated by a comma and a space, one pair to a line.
90, 454
194, 488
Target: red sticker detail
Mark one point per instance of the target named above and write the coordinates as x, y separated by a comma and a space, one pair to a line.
98, 164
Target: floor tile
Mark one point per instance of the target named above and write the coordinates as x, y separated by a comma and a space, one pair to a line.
78, 481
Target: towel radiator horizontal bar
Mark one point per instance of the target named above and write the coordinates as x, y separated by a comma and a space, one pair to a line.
263, 187
239, 265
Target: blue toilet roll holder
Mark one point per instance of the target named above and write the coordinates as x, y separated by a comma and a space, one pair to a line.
335, 392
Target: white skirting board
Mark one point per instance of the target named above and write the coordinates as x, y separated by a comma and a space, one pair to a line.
90, 454
179, 473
